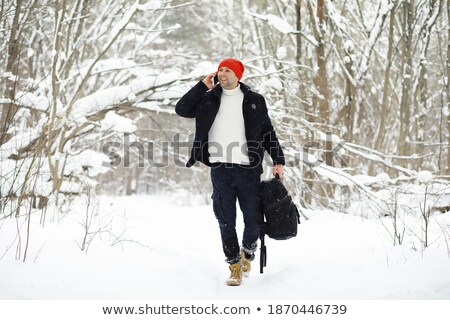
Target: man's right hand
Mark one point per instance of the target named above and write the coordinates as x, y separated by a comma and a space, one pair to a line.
208, 80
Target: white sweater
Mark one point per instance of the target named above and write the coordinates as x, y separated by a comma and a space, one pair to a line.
227, 134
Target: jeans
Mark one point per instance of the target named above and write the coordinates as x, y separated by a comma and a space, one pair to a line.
231, 182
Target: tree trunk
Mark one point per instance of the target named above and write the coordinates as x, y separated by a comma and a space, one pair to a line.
298, 23
308, 173
386, 87
423, 108
9, 109
448, 87
298, 58
321, 78
2, 12
349, 102
404, 141
321, 97
55, 84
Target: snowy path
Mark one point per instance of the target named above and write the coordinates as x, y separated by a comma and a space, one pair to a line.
174, 252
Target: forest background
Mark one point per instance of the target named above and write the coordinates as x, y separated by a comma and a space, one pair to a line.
358, 93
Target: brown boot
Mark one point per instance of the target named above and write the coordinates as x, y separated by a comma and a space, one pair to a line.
245, 264
235, 278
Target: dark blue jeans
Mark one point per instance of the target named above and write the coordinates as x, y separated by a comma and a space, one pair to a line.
231, 182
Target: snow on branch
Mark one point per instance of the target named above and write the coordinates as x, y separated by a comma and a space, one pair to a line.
364, 152
374, 34
117, 123
379, 158
13, 177
274, 21
29, 101
157, 5
115, 32
102, 99
19, 141
164, 86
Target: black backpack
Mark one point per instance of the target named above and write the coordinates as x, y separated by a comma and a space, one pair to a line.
279, 215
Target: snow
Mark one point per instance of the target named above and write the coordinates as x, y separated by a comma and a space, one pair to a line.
30, 100
10, 76
445, 81
349, 46
202, 69
131, 96
383, 178
114, 122
445, 111
111, 96
92, 161
281, 53
99, 100
19, 141
335, 175
172, 92
150, 5
373, 35
275, 21
364, 179
271, 84
335, 139
424, 176
407, 201
24, 176
106, 65
30, 52
155, 107
153, 247
279, 24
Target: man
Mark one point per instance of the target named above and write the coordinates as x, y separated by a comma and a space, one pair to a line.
233, 129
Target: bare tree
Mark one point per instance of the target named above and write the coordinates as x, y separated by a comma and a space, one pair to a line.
381, 131
404, 138
422, 89
341, 69
8, 108
448, 86
321, 99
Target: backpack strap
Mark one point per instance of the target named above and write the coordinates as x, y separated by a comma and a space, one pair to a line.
263, 249
263, 255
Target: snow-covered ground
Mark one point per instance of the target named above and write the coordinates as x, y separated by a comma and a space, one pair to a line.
153, 247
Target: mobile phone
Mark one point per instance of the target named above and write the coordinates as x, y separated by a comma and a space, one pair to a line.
216, 80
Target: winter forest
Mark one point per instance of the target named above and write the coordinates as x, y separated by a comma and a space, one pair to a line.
358, 93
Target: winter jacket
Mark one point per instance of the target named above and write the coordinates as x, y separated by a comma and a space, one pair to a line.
203, 104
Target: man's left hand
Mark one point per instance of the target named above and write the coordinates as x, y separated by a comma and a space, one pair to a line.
278, 168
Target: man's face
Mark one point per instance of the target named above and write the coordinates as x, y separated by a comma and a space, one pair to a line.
227, 78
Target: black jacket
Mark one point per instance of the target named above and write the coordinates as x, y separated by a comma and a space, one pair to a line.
203, 104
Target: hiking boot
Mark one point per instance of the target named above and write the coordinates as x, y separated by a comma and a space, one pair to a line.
235, 278
246, 264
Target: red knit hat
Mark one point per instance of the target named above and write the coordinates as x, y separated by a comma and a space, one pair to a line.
233, 64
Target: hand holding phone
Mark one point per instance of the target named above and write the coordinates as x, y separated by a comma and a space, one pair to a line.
211, 81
